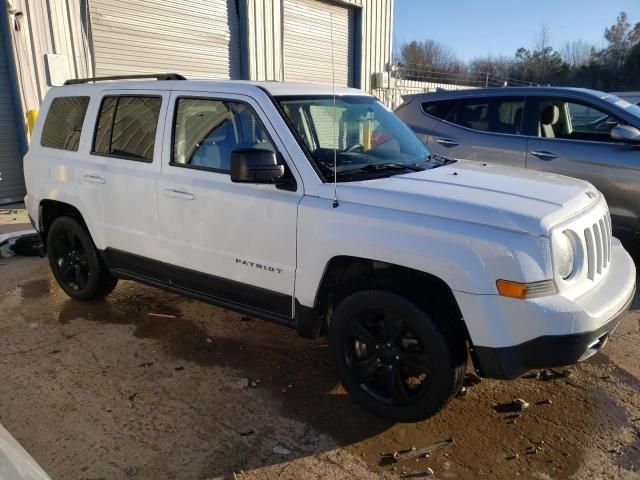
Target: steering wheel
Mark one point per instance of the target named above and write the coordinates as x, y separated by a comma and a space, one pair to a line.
356, 147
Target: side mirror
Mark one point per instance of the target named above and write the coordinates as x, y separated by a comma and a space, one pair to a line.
255, 165
625, 133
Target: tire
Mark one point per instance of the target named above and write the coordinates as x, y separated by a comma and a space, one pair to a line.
393, 358
75, 263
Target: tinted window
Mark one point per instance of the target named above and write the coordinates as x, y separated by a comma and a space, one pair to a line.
63, 125
440, 109
127, 127
207, 131
497, 115
558, 118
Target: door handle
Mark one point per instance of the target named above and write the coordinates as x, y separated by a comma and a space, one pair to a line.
170, 192
542, 155
94, 179
447, 142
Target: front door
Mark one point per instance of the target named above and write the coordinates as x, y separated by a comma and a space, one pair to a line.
574, 139
233, 242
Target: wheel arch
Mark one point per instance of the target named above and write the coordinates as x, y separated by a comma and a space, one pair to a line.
344, 275
49, 210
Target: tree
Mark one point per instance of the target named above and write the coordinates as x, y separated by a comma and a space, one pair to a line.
576, 53
619, 37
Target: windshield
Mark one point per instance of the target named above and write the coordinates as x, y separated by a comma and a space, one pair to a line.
369, 140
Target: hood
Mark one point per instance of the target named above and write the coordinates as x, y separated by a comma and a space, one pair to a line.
504, 197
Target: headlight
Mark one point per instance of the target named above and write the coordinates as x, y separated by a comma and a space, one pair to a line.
563, 255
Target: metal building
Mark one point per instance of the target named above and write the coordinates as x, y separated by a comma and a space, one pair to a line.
45, 42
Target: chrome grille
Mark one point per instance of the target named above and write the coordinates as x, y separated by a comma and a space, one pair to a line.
597, 238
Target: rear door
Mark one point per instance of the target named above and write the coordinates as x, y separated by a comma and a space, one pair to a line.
488, 129
573, 138
233, 242
127, 141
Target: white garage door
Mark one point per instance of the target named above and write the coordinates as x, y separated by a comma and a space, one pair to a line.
307, 42
197, 38
12, 187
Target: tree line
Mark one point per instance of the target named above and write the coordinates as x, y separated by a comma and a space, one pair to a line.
616, 66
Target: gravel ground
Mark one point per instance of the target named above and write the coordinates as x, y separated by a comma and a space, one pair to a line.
107, 390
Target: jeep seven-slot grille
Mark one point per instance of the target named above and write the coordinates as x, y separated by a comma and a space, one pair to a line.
598, 240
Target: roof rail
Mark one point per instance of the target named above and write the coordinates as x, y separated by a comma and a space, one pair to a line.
157, 76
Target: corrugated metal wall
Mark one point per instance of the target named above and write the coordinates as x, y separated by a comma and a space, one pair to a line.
198, 38
264, 39
310, 28
377, 33
11, 178
48, 27
265, 60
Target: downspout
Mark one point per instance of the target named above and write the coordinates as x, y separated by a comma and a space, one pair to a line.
7, 39
243, 21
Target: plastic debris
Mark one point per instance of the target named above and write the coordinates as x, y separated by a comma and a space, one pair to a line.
519, 404
161, 315
243, 382
408, 454
281, 450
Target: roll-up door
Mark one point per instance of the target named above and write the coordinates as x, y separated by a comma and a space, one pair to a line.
12, 187
197, 38
308, 27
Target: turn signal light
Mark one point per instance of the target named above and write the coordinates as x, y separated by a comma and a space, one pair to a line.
507, 288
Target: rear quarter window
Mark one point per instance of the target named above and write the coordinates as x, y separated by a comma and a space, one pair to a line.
442, 109
63, 124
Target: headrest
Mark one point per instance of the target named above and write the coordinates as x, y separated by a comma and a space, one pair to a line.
550, 115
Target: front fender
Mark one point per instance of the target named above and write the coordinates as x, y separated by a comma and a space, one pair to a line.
468, 257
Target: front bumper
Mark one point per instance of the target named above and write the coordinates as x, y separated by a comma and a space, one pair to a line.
512, 336
547, 351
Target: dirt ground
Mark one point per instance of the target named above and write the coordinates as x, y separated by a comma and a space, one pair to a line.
106, 390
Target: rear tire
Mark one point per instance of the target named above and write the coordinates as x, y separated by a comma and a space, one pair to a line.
393, 357
75, 263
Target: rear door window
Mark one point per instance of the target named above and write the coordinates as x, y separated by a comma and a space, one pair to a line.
63, 124
496, 115
127, 127
441, 109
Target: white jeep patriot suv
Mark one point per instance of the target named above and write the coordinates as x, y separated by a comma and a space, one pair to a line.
325, 213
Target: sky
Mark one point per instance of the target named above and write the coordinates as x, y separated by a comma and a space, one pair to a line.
499, 27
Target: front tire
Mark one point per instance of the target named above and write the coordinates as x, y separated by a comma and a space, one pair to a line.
75, 263
393, 358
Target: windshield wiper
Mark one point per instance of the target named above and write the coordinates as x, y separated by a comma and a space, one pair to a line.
376, 167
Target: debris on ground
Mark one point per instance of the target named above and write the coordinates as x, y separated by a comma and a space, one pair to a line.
253, 384
462, 392
427, 473
209, 340
131, 471
161, 315
513, 456
471, 379
5, 250
243, 382
281, 450
146, 364
29, 245
546, 401
400, 456
519, 404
